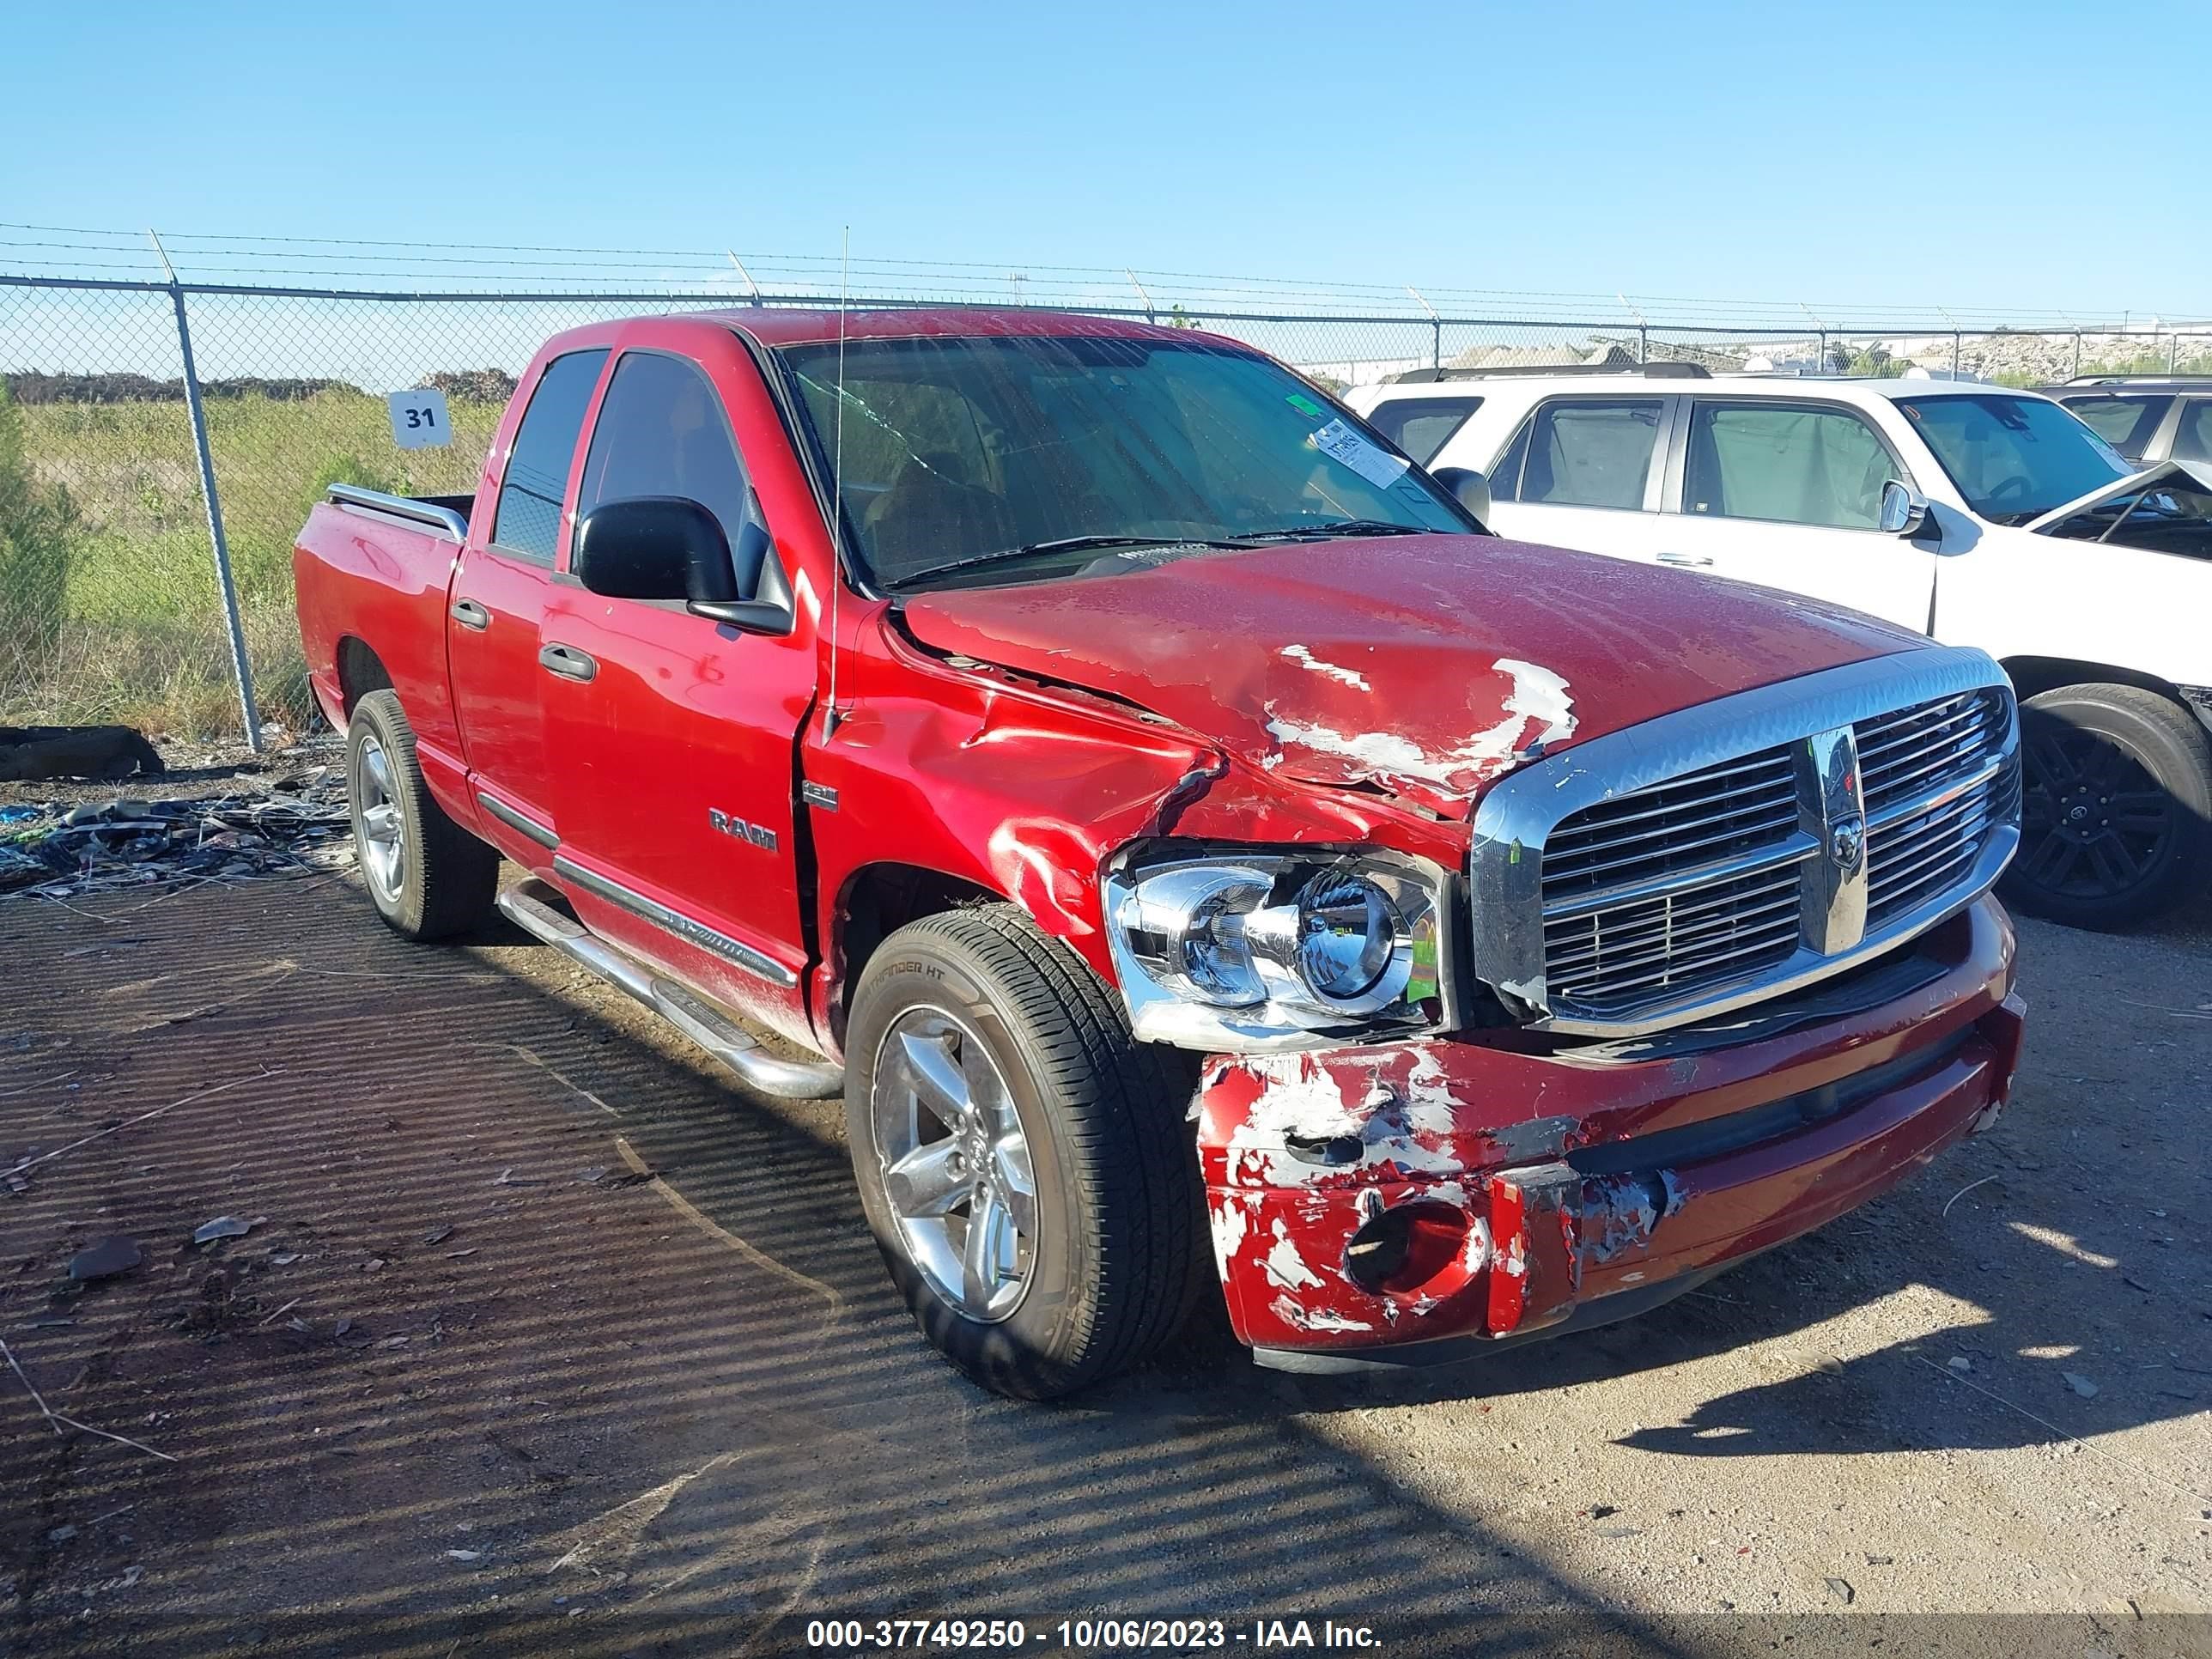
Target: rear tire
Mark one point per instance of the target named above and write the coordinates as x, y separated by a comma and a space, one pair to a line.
429, 878
983, 1057
2117, 814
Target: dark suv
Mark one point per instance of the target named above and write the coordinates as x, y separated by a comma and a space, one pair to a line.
2147, 418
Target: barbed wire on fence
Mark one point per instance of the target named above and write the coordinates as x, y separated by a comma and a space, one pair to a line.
236, 258
111, 605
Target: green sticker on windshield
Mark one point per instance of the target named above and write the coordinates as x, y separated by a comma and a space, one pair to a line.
1305, 405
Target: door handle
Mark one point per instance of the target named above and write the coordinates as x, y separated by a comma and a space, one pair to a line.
472, 616
567, 662
1685, 559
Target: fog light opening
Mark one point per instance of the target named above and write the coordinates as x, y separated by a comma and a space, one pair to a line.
1403, 1249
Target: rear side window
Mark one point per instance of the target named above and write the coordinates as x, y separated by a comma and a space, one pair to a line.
537, 477
1786, 464
661, 431
2126, 423
1592, 453
1422, 426
2194, 441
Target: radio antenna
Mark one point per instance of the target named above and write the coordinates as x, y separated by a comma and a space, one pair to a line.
837, 480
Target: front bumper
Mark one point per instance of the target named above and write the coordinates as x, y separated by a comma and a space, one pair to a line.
1419, 1201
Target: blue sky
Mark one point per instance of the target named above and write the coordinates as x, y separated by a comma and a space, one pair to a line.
1965, 156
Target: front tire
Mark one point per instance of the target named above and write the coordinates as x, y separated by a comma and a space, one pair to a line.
1023, 1161
429, 878
2117, 815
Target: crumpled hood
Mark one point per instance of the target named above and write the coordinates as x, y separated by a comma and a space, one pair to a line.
2190, 475
1428, 665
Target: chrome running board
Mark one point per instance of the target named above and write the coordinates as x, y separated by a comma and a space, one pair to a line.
531, 906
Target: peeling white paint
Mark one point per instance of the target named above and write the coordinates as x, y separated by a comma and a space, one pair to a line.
1286, 1267
1476, 1256
1321, 1318
1429, 1103
1230, 1225
1539, 695
1300, 1097
1305, 658
1313, 1319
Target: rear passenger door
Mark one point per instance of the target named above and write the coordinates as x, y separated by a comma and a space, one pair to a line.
1788, 494
497, 599
1585, 472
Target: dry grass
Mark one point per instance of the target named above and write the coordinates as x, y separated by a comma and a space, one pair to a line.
143, 639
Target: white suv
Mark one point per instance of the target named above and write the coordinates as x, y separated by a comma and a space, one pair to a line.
1978, 514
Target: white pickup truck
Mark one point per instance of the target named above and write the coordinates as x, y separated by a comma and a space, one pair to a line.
1957, 509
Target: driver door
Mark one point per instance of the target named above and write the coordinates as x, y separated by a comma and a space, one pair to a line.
673, 736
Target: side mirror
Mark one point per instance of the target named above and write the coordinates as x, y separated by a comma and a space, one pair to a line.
1903, 512
654, 547
1468, 487
671, 548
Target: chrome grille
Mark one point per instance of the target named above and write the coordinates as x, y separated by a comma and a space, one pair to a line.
1649, 892
1704, 861
1903, 756
1609, 960
1656, 833
1935, 782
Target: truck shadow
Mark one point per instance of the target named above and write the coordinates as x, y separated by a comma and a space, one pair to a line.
546, 1341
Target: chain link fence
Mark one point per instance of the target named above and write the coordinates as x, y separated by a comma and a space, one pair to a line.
113, 605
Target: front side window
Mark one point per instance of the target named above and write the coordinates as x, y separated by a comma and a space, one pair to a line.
2126, 423
1051, 451
661, 432
2013, 459
1584, 452
1786, 464
531, 490
1422, 426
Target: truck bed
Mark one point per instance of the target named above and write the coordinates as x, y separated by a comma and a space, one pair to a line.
370, 566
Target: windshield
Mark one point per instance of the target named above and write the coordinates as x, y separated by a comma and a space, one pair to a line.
2013, 459
1003, 451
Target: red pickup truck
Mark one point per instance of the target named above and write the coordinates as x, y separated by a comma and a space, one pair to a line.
1160, 810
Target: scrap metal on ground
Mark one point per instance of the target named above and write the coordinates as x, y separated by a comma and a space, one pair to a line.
299, 825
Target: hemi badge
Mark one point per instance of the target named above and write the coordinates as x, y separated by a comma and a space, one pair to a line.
818, 795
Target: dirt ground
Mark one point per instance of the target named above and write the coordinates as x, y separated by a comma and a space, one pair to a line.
546, 1340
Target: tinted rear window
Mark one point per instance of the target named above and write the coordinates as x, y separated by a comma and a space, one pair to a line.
535, 481
2126, 423
1589, 452
1422, 426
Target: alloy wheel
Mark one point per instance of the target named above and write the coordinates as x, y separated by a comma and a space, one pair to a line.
383, 837
956, 1163
2094, 822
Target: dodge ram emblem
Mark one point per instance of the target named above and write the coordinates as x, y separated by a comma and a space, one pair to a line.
1847, 844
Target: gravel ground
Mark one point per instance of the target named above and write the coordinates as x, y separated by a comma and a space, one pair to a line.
546, 1341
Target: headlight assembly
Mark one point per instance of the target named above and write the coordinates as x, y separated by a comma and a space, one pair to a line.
1242, 951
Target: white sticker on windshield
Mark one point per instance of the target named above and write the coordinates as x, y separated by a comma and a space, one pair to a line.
1378, 466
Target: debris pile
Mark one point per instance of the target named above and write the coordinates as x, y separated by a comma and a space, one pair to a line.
300, 827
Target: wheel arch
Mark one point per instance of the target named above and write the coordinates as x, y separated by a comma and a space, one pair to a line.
360, 671
875, 901
2031, 676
